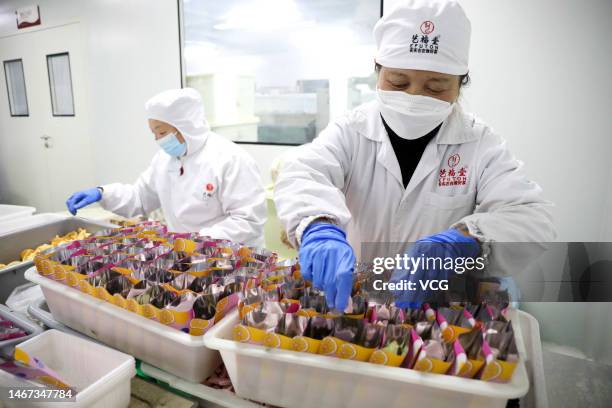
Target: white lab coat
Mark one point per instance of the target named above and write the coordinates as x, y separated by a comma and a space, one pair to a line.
351, 174
219, 194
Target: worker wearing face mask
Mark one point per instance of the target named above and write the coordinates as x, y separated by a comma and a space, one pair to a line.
203, 182
409, 167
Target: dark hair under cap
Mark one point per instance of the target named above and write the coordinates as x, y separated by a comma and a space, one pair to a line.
463, 79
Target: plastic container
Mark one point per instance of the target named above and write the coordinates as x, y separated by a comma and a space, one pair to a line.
537, 395
31, 236
179, 353
40, 311
29, 327
100, 374
291, 379
11, 212
213, 397
8, 226
22, 296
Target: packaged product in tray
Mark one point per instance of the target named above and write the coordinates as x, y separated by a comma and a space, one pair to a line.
185, 281
499, 352
8, 330
286, 312
29, 368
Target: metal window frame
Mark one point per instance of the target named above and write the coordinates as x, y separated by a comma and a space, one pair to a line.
4, 63
181, 19
47, 58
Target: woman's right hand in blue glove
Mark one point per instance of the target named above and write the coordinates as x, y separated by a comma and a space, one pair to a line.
83, 198
328, 261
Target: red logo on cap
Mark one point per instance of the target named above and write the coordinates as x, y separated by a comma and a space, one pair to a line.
210, 187
427, 27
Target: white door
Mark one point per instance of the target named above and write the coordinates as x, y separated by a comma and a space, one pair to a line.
45, 157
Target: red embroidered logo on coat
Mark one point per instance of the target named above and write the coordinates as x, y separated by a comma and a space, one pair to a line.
209, 189
451, 176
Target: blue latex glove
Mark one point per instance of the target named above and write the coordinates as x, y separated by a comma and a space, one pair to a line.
83, 198
327, 259
447, 244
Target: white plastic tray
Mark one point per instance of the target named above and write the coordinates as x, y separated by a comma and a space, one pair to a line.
291, 379
40, 311
537, 396
31, 328
11, 212
101, 375
16, 224
179, 353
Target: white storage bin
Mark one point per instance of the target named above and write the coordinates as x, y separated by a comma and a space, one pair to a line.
16, 224
11, 212
31, 328
179, 353
292, 379
101, 375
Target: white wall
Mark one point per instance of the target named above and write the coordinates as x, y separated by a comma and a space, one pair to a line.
607, 222
132, 53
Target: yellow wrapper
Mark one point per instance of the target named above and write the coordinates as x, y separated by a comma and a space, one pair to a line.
451, 333
221, 306
356, 316
246, 334
123, 271
150, 312
86, 287
244, 252
173, 317
351, 351
332, 346
119, 300
133, 306
197, 327
60, 271
432, 365
102, 293
470, 368
43, 265
274, 340
244, 309
498, 371
73, 279
384, 357
307, 313
305, 344
185, 245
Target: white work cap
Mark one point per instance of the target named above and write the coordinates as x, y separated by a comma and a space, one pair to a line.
428, 35
183, 109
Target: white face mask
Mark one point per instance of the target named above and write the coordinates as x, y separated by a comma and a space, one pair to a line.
411, 116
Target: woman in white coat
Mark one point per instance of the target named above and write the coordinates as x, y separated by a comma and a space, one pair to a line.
202, 182
408, 165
